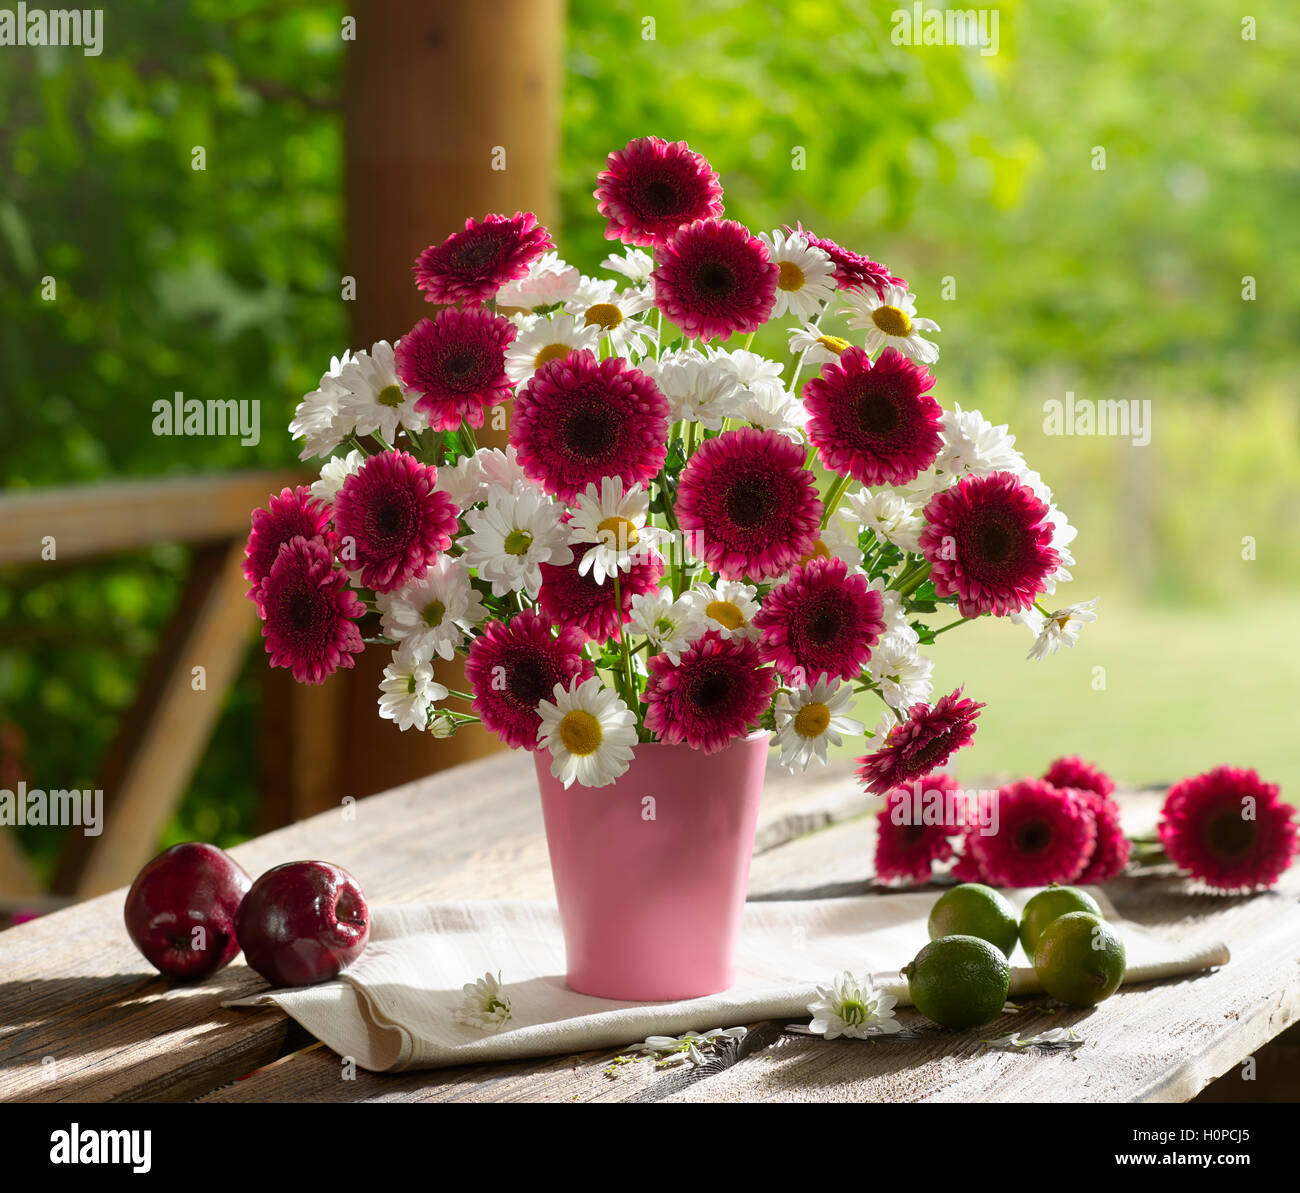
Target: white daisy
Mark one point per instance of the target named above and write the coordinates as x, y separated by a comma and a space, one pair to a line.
485, 1006
407, 690
432, 614
373, 399
891, 322
807, 275
589, 731
809, 719
819, 347
614, 317
901, 671
889, 515
634, 264
517, 532
698, 389
545, 338
1057, 629
670, 626
852, 1007
549, 281
609, 527
336, 470
728, 607
313, 420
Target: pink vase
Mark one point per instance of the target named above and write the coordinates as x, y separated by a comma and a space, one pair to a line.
650, 872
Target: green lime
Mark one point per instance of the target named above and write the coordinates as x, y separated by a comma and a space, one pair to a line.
974, 909
1045, 906
959, 981
1079, 959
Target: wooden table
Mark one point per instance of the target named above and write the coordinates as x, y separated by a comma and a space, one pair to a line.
83, 1018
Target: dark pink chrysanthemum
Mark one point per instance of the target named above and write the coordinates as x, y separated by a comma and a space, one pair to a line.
295, 512
821, 621
1111, 851
1075, 773
912, 833
926, 740
581, 419
989, 543
309, 612
514, 665
391, 520
652, 187
471, 266
714, 278
966, 868
852, 270
571, 599
456, 363
874, 423
1229, 828
748, 504
716, 693
1043, 835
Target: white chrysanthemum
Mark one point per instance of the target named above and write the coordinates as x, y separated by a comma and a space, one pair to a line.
901, 671
852, 1007
698, 389
973, 446
432, 614
809, 719
407, 690
500, 468
634, 264
442, 724
589, 731
485, 1007
894, 614
609, 528
773, 409
544, 339
313, 420
838, 539
806, 281
373, 399
727, 607
889, 515
891, 322
512, 536
463, 482
751, 370
670, 626
336, 470
1063, 534
820, 348
1057, 629
615, 317
549, 280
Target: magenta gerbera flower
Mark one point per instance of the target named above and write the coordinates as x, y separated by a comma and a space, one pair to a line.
309, 612
456, 363
852, 270
989, 542
1229, 828
713, 278
913, 834
1043, 835
966, 868
874, 423
1075, 773
716, 693
821, 621
748, 504
568, 598
295, 512
581, 419
926, 740
1111, 851
471, 266
391, 520
513, 666
652, 187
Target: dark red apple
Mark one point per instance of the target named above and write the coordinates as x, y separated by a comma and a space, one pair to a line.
180, 910
302, 923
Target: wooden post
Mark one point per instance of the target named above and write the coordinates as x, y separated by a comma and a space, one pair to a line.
452, 112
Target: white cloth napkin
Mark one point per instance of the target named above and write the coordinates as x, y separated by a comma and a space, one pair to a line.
395, 1007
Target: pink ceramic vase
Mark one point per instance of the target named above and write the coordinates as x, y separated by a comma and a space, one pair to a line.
650, 872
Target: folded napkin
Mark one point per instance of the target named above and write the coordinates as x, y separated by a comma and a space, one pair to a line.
395, 1007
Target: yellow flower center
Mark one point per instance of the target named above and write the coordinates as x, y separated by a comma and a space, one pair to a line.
820, 551
834, 344
434, 613
517, 542
893, 321
1063, 620
604, 314
618, 533
549, 353
789, 276
725, 613
811, 720
390, 395
580, 732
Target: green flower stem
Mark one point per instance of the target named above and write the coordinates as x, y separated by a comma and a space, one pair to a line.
913, 579
952, 625
630, 693
833, 495
357, 445
465, 696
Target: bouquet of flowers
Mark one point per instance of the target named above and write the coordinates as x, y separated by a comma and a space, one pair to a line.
685, 540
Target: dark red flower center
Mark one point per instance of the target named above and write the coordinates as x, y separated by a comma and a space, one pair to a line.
933, 753
992, 542
659, 196
713, 279
1034, 836
531, 678
477, 253
1231, 833
750, 500
710, 687
588, 431
877, 414
823, 620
